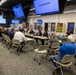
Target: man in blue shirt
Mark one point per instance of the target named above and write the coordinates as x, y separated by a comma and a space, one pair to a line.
11, 33
68, 48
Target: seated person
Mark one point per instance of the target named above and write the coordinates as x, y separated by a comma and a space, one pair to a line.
53, 39
45, 34
3, 30
67, 34
64, 38
26, 30
68, 48
20, 36
38, 34
6, 31
0, 33
31, 31
11, 33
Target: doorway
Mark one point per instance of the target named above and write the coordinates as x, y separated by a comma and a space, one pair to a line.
71, 27
46, 26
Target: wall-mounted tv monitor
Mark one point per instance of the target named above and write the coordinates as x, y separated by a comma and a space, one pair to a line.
15, 21
46, 6
18, 11
1, 17
2, 21
39, 22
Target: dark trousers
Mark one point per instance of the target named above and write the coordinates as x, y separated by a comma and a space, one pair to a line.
42, 41
36, 39
22, 45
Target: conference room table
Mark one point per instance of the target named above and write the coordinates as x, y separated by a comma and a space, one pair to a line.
34, 36
28, 39
42, 38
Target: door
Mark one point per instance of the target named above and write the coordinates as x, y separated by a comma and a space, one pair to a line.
46, 26
71, 27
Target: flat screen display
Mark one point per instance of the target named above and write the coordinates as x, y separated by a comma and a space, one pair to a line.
2, 21
1, 17
18, 11
15, 21
46, 6
39, 22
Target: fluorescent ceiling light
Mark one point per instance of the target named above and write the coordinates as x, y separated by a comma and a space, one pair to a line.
71, 11
34, 16
2, 1
32, 9
68, 0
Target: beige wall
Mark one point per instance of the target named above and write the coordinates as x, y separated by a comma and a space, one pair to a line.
62, 18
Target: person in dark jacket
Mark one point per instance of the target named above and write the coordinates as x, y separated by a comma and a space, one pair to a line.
38, 34
45, 34
11, 33
6, 31
31, 31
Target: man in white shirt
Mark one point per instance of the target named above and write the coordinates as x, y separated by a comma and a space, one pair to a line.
20, 36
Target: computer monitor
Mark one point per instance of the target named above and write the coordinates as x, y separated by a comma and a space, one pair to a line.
2, 21
46, 6
18, 11
39, 22
15, 21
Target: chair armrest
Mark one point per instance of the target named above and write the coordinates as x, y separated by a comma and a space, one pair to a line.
57, 62
55, 50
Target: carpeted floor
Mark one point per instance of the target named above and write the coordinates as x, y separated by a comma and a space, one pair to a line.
12, 64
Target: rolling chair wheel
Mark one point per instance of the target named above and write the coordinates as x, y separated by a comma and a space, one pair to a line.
10, 52
34, 59
53, 73
42, 57
18, 54
39, 63
31, 50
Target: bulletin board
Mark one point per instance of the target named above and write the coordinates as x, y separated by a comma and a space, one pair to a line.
59, 27
52, 26
36, 26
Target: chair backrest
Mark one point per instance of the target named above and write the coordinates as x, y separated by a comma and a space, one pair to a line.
67, 59
55, 45
64, 38
43, 47
64, 42
14, 41
7, 38
3, 35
